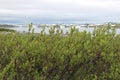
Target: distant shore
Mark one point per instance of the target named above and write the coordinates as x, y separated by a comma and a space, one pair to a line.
113, 24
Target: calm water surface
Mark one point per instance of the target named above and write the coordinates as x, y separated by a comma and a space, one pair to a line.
65, 29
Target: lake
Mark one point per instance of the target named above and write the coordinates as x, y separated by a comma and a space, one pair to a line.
65, 29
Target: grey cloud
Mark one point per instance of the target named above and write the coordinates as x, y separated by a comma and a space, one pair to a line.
60, 10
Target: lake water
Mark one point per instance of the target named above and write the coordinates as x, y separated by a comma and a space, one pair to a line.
65, 29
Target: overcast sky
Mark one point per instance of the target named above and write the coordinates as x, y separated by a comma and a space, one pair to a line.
59, 11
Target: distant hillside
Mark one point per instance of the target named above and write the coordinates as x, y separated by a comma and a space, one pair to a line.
7, 25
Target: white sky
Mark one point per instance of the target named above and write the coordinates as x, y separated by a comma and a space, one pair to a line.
60, 10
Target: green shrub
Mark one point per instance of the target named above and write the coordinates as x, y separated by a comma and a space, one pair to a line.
54, 56
6, 30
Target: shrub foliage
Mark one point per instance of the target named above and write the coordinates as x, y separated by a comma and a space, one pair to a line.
54, 56
6, 30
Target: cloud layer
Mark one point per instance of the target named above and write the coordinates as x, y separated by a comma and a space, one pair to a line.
60, 10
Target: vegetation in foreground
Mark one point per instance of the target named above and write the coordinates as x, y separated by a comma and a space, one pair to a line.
53, 56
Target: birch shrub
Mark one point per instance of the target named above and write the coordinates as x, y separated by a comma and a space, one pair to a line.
54, 56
